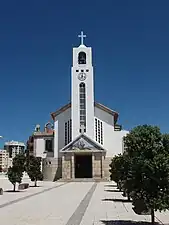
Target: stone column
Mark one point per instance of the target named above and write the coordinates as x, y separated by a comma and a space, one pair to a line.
102, 166
63, 168
93, 165
72, 166
97, 165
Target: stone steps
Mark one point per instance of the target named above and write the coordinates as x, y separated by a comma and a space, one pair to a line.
83, 180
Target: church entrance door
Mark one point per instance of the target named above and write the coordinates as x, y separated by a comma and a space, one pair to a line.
83, 166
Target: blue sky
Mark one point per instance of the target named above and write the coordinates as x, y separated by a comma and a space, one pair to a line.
130, 41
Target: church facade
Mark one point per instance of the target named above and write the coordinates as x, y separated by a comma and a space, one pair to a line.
85, 134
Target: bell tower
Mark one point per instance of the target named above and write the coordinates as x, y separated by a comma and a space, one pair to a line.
82, 91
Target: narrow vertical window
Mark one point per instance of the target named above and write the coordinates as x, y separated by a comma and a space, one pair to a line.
96, 129
66, 141
70, 130
101, 132
82, 97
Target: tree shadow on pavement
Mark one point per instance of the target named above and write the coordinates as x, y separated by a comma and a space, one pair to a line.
110, 185
34, 186
115, 200
115, 190
12, 191
125, 222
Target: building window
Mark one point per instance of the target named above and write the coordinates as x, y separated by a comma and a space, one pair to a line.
77, 70
99, 131
82, 97
82, 58
68, 132
96, 129
66, 141
87, 70
70, 135
49, 145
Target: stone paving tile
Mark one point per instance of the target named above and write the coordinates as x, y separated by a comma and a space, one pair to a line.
77, 216
103, 208
67, 204
107, 212
54, 207
10, 196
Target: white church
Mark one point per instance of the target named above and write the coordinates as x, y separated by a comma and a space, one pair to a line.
85, 135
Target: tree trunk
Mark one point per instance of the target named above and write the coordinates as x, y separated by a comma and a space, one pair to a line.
128, 196
35, 183
14, 187
152, 217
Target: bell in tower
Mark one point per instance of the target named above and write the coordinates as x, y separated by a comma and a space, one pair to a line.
82, 58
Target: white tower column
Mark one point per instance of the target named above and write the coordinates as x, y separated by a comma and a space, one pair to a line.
82, 91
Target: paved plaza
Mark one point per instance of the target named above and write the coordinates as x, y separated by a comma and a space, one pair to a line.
72, 203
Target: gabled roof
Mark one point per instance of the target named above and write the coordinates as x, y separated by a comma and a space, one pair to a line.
60, 110
98, 105
82, 142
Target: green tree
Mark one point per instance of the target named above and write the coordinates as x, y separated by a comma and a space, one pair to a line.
116, 170
165, 141
19, 162
34, 169
14, 176
120, 173
149, 172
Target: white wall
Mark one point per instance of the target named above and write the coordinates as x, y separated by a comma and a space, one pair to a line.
39, 146
59, 139
56, 134
112, 140
103, 116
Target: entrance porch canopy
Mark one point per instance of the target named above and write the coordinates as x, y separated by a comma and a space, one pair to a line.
83, 144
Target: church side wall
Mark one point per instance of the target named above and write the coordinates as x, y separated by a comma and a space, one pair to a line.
52, 166
112, 140
103, 116
56, 139
61, 119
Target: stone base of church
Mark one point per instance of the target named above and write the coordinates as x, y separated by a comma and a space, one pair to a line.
51, 169
64, 168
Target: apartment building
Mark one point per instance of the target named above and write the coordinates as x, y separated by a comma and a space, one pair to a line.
14, 148
5, 161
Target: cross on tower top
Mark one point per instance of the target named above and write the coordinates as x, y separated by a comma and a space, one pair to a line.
82, 36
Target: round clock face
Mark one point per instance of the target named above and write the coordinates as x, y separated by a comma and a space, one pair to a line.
82, 76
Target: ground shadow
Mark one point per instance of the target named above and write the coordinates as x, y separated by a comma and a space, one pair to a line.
125, 222
115, 190
115, 200
12, 191
110, 185
34, 186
